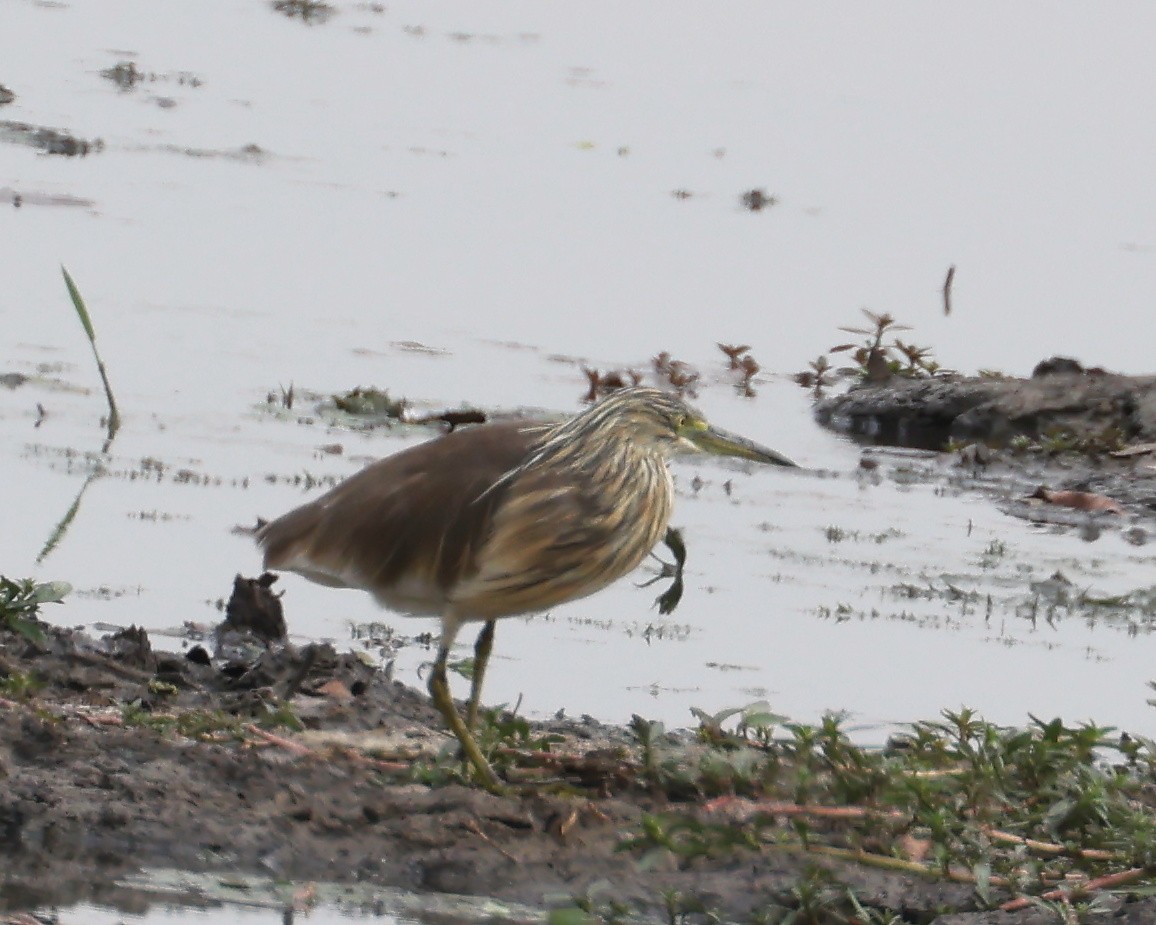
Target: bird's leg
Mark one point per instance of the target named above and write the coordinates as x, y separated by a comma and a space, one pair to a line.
439, 690
482, 650
669, 598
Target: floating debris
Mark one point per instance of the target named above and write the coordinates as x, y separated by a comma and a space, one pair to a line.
126, 75
48, 140
370, 402
681, 375
18, 199
454, 419
308, 11
604, 383
250, 153
947, 282
755, 200
1079, 500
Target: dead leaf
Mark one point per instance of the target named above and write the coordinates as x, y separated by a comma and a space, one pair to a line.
1079, 500
914, 849
335, 690
1135, 449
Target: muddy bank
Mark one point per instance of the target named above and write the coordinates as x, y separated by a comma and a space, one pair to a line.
307, 764
1064, 428
1059, 399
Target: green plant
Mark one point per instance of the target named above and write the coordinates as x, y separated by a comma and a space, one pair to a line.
502, 735
1002, 808
20, 602
86, 322
876, 360
21, 685
817, 378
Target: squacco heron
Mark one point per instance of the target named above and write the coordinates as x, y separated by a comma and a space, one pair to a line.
502, 519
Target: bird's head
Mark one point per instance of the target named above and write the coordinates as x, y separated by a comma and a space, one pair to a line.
662, 422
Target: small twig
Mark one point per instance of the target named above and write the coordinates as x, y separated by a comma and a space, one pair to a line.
1049, 848
885, 862
96, 720
552, 760
296, 747
1084, 889
747, 808
351, 754
106, 663
532, 777
394, 767
471, 825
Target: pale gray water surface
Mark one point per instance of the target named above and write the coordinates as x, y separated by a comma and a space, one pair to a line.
173, 897
495, 182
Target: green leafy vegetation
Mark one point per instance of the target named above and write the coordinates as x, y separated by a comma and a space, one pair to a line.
1009, 810
1058, 441
20, 685
877, 357
208, 724
113, 420
20, 602
509, 742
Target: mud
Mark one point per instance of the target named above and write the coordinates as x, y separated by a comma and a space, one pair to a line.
1019, 440
116, 758
931, 413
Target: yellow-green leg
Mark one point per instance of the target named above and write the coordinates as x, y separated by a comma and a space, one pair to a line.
439, 690
482, 649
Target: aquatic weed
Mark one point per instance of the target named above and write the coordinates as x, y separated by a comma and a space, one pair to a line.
113, 420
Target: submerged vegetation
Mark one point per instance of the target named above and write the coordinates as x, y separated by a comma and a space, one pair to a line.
308, 11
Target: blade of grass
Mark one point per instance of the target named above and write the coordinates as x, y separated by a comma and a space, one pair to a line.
86, 321
65, 522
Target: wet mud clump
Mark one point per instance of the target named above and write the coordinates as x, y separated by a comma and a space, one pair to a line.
1061, 398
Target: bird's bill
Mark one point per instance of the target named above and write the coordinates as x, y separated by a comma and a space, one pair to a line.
719, 442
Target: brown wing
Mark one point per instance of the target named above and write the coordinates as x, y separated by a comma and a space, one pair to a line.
559, 535
407, 527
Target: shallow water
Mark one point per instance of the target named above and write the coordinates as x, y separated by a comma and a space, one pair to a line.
167, 897
496, 184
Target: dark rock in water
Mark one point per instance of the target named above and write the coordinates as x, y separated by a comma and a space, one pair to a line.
930, 413
1053, 365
